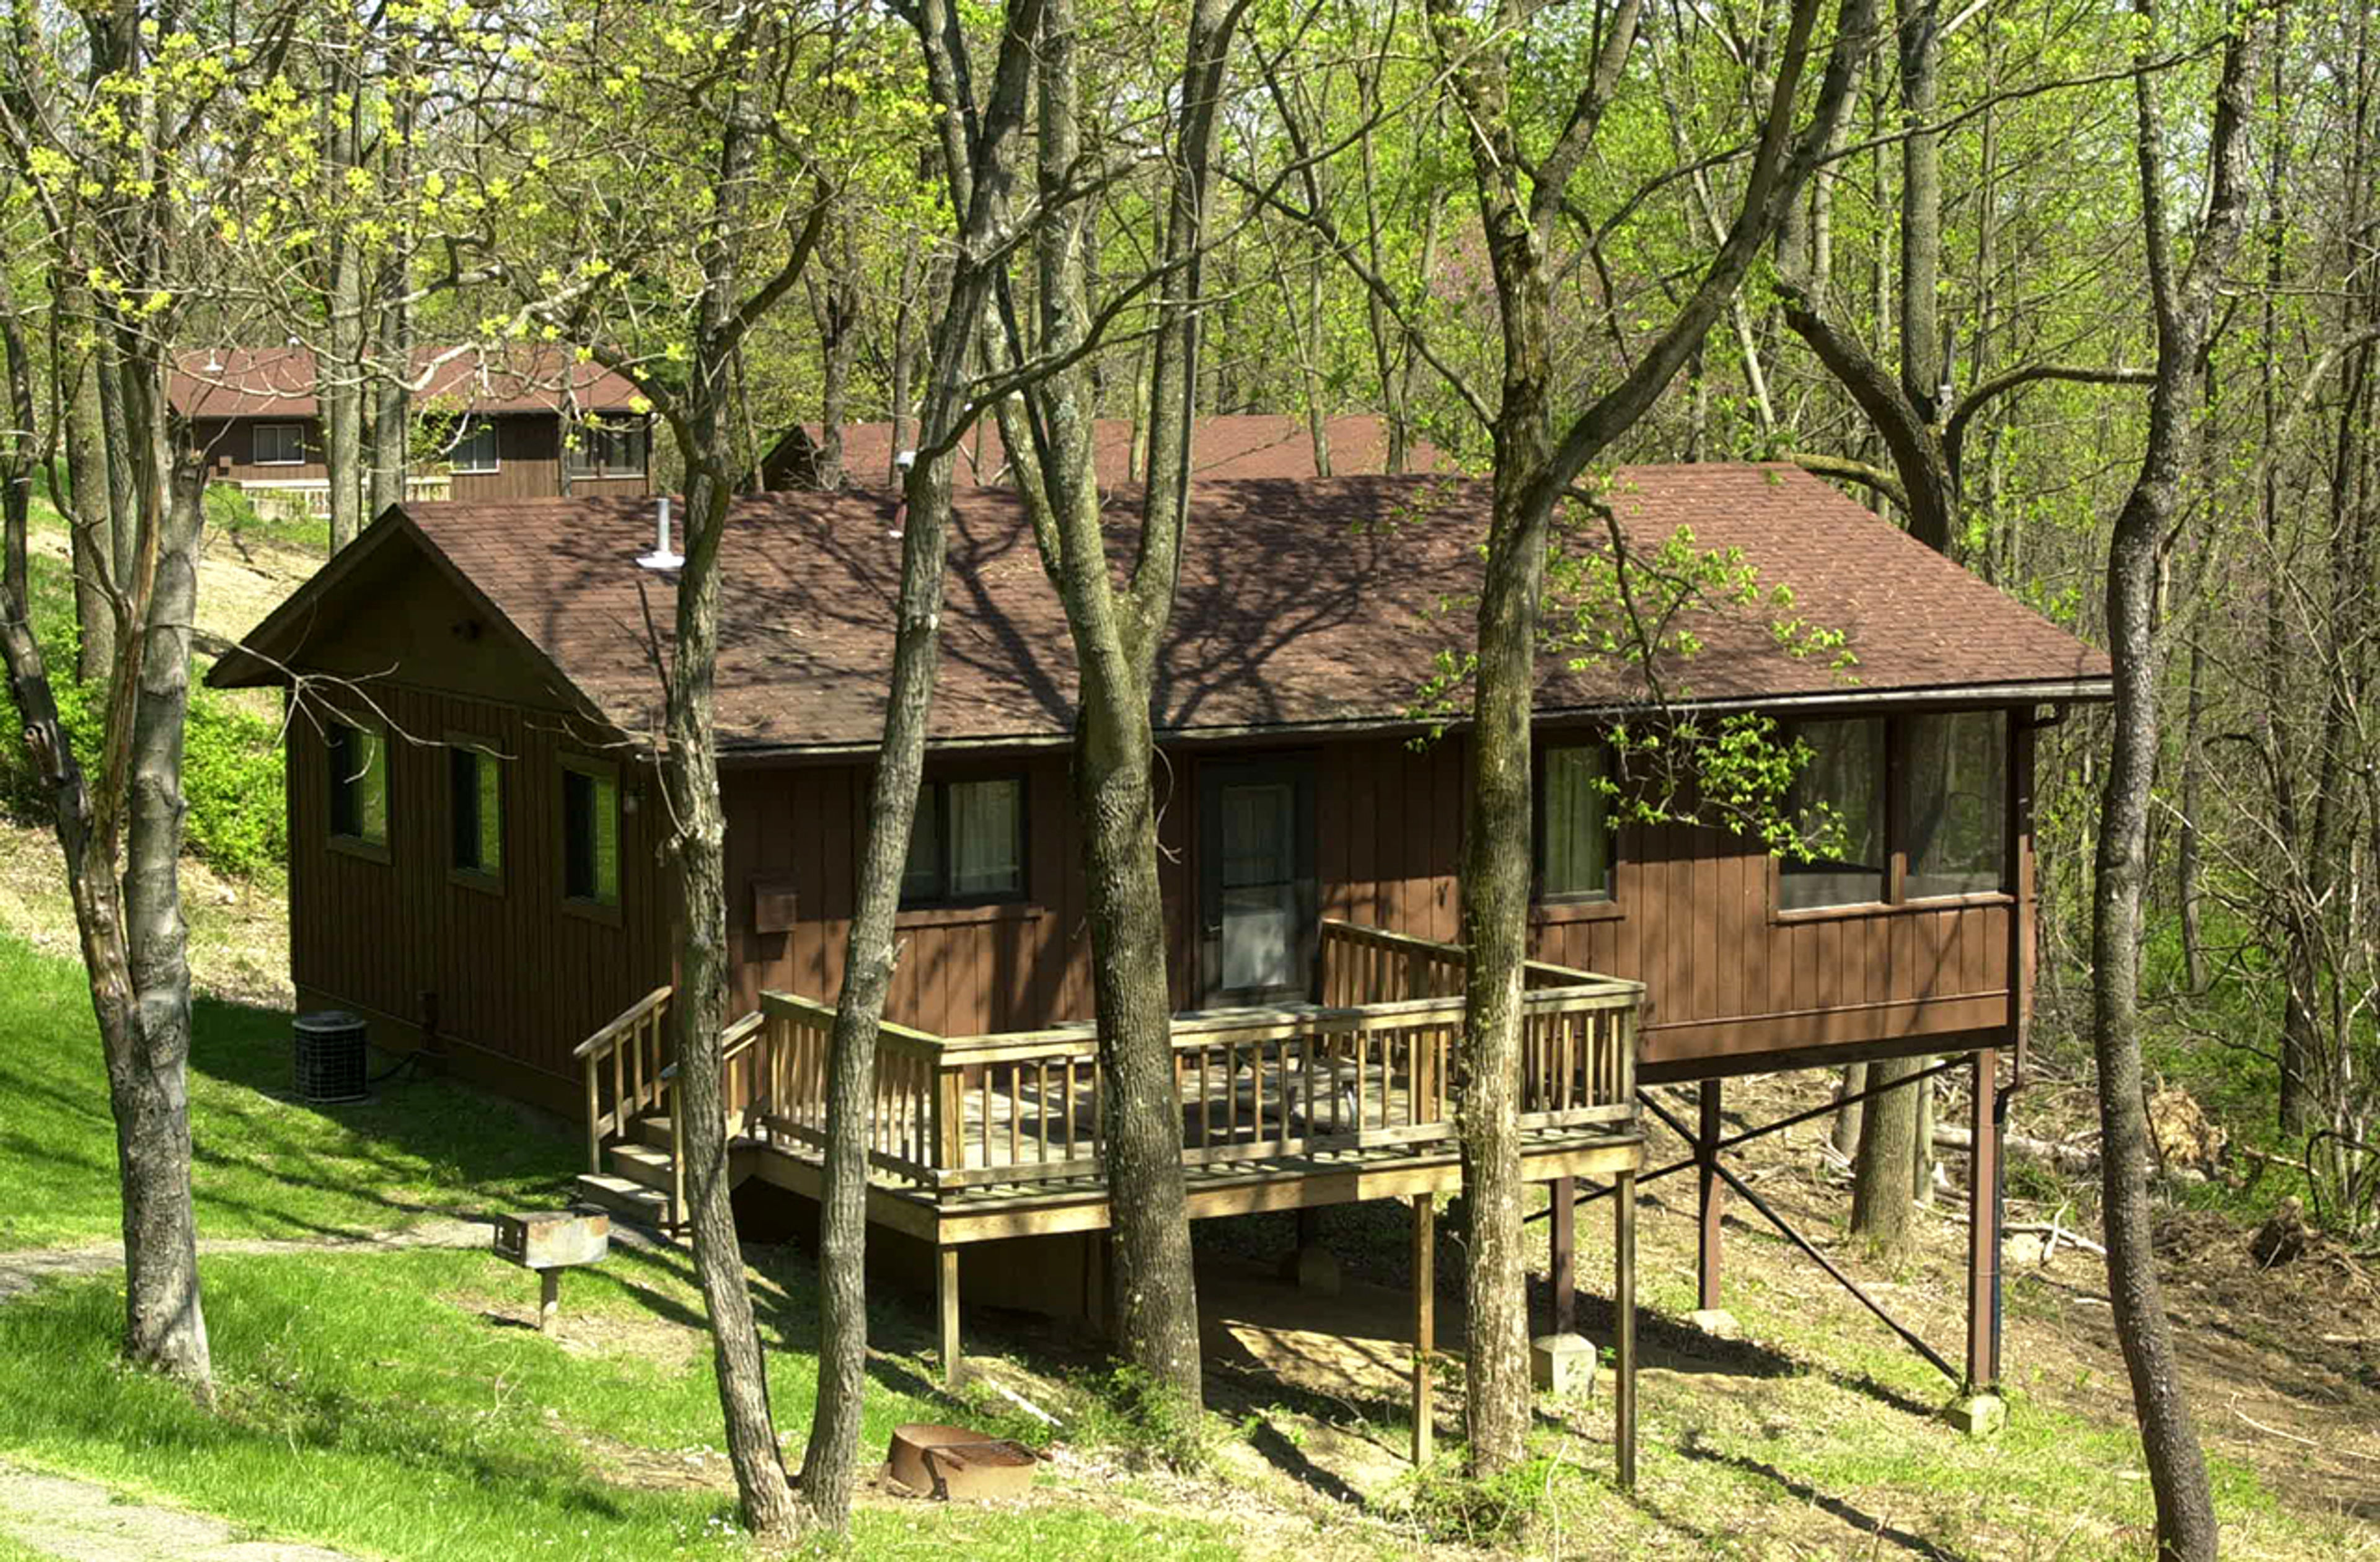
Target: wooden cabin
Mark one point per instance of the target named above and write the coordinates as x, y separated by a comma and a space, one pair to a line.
538, 425
474, 820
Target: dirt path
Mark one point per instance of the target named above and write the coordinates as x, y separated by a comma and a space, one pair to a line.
57, 1515
20, 1271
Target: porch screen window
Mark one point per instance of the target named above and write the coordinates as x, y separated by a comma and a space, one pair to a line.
476, 788
1574, 826
475, 446
279, 444
590, 836
1836, 802
600, 450
358, 766
1957, 786
968, 843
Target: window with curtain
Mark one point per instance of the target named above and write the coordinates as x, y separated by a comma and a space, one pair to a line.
476, 812
279, 444
1957, 770
1574, 824
359, 767
968, 843
1838, 804
590, 835
475, 446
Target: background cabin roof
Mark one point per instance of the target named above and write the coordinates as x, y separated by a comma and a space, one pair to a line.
279, 382
1233, 445
1308, 605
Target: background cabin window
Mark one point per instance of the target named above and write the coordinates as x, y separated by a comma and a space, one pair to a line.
1838, 804
598, 450
1957, 770
475, 446
476, 789
968, 843
590, 836
279, 444
1573, 824
358, 765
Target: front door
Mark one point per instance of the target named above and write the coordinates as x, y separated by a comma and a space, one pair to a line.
1256, 885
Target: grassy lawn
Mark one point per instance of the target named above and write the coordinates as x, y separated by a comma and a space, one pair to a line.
399, 1403
267, 1165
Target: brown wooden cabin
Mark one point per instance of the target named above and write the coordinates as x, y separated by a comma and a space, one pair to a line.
474, 817
538, 427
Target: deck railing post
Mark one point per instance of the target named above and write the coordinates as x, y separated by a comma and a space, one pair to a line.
1424, 1273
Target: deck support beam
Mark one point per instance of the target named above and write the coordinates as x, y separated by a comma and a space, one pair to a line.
1425, 1280
946, 1307
1986, 1122
1561, 1276
1623, 1326
1710, 1198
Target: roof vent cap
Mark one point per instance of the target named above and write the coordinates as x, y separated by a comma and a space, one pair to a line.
663, 557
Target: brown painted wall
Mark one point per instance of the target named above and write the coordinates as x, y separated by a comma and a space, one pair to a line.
528, 460
514, 972
1727, 979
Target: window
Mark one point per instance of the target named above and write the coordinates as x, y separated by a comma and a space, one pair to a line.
358, 768
476, 812
279, 444
475, 445
590, 833
1837, 803
1574, 824
967, 844
608, 450
1957, 770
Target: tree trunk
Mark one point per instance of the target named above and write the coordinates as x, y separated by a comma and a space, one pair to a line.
1850, 1114
2188, 872
86, 507
339, 373
1880, 1179
2184, 305
979, 170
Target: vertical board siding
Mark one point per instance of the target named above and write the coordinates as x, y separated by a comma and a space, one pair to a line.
511, 971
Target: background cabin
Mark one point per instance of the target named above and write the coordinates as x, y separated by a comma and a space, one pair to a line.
539, 426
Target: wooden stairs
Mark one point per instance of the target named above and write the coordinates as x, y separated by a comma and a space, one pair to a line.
640, 1186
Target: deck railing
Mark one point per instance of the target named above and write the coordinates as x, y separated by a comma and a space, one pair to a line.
626, 1066
1373, 1066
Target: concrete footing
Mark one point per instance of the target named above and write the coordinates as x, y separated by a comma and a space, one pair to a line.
1563, 1364
1716, 1321
1977, 1415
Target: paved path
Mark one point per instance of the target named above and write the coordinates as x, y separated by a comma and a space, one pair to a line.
60, 1515
20, 1271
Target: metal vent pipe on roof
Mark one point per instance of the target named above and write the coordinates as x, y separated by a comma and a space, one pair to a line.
661, 558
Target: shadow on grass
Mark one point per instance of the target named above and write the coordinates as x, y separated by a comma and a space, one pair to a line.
1865, 1523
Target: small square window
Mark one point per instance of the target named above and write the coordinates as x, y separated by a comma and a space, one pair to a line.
968, 843
279, 444
476, 795
358, 769
590, 835
475, 446
1574, 824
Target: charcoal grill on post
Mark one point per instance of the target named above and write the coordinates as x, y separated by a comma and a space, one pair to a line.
550, 1241
329, 1066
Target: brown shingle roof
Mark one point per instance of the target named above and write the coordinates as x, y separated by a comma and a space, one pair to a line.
279, 382
1302, 603
1237, 446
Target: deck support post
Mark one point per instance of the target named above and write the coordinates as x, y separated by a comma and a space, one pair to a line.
1623, 1326
1562, 1276
946, 1305
1425, 1280
1710, 1199
1984, 1228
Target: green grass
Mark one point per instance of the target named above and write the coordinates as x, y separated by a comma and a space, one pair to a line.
229, 510
266, 1165
370, 1401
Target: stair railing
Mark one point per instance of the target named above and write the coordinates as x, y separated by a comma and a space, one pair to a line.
633, 1052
